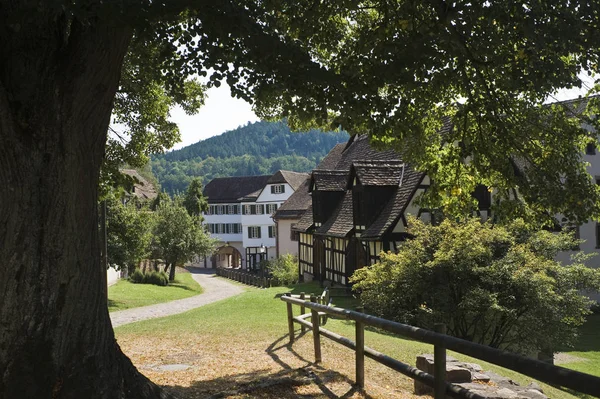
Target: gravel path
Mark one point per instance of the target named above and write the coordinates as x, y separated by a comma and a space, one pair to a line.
215, 289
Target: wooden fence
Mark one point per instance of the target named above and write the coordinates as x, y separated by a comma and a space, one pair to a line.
244, 277
545, 372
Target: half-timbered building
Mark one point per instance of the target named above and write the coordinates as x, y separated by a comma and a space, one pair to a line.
360, 202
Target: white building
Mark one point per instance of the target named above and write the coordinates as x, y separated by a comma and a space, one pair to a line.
240, 216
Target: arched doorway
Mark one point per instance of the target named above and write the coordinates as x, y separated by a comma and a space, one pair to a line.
227, 256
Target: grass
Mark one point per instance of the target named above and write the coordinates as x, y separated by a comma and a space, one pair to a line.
231, 343
125, 294
587, 347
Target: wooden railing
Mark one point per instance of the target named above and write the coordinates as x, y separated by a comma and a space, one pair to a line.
244, 277
541, 371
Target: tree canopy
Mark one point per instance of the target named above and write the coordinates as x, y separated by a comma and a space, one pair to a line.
403, 72
396, 70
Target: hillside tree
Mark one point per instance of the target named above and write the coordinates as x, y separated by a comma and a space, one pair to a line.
394, 70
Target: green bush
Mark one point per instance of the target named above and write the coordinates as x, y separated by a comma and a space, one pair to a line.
284, 270
156, 278
494, 284
137, 276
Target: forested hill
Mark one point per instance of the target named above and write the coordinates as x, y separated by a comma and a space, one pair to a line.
255, 149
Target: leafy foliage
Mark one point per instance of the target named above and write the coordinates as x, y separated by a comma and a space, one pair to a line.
142, 109
194, 201
178, 236
129, 233
496, 285
284, 269
255, 149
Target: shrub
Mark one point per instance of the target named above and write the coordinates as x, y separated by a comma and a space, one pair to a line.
137, 276
492, 284
284, 270
156, 278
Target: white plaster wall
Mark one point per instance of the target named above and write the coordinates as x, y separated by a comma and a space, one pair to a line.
266, 195
112, 276
284, 231
222, 219
263, 240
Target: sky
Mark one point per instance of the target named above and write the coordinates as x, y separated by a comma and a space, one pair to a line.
222, 112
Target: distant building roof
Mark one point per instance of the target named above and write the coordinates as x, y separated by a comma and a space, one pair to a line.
294, 179
143, 189
234, 189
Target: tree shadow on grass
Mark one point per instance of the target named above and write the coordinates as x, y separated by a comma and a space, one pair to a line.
112, 303
309, 381
180, 286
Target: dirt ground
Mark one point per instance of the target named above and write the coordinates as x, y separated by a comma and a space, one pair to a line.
207, 367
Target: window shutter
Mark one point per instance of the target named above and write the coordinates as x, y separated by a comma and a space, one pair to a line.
283, 188
258, 229
249, 232
272, 189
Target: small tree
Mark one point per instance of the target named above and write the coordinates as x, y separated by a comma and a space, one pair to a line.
194, 201
179, 236
284, 269
129, 233
495, 285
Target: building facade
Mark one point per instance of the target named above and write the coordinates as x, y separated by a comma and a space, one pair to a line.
240, 216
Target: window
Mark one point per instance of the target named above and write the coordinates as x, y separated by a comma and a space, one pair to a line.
232, 209
278, 189
590, 149
294, 235
253, 231
225, 228
272, 231
271, 208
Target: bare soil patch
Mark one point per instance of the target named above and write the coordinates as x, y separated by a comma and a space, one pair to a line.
258, 368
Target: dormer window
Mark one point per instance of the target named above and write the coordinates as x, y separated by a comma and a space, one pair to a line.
278, 189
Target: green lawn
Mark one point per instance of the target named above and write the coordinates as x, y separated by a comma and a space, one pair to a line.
259, 313
588, 347
125, 294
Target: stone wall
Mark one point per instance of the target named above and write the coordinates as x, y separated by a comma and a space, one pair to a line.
472, 377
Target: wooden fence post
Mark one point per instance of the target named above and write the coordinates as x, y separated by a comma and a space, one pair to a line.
302, 309
360, 351
439, 365
315, 328
290, 316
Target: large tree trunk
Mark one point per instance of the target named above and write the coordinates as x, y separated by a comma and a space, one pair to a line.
57, 83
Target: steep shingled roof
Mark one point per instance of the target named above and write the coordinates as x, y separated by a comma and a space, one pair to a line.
297, 204
330, 161
306, 221
396, 205
379, 173
341, 221
233, 189
330, 180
